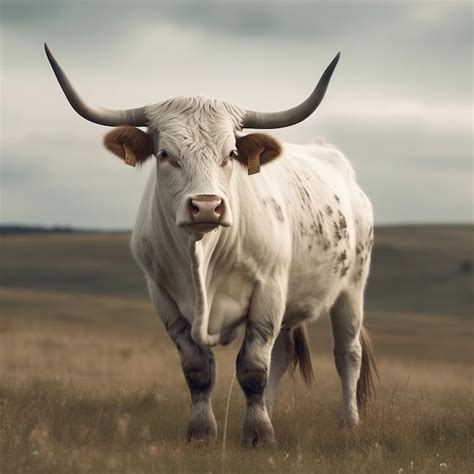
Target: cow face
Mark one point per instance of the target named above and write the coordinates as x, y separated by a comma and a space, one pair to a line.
196, 148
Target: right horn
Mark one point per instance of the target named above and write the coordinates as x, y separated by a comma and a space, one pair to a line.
296, 114
111, 118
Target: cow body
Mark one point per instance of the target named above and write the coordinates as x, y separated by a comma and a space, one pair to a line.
299, 246
221, 249
304, 218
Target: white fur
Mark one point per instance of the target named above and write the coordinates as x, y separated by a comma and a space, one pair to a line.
220, 270
297, 235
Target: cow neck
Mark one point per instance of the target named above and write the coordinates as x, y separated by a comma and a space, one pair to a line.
197, 254
211, 247
200, 325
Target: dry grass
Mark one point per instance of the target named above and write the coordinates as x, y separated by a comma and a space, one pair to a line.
91, 384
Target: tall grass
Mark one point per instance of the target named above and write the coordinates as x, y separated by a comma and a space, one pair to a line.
89, 382
85, 389
48, 427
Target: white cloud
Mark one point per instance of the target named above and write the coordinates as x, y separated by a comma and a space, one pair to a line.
450, 119
400, 100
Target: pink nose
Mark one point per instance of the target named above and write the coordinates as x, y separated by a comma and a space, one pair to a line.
206, 208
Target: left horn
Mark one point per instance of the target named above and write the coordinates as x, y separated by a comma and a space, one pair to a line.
111, 118
296, 114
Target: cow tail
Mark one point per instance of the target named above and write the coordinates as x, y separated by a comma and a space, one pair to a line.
302, 355
365, 384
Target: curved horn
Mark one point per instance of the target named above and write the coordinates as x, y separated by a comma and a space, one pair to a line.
296, 114
111, 118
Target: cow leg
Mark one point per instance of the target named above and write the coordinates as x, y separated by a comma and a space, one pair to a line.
346, 320
198, 366
199, 370
283, 354
253, 362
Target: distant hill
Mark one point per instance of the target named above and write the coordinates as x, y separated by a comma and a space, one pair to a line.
423, 269
6, 229
415, 268
29, 229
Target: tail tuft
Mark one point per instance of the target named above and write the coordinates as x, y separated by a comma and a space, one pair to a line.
302, 355
365, 384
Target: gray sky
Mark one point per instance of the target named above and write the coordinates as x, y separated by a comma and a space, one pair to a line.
399, 104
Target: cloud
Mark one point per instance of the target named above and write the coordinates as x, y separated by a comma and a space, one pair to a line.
399, 104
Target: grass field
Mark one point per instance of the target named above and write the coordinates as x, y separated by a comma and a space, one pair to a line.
90, 383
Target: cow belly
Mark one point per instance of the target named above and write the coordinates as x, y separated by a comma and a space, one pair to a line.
230, 304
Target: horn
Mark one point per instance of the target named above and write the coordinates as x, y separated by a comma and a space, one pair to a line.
296, 114
111, 118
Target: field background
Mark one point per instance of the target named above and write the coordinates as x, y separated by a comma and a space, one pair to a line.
89, 381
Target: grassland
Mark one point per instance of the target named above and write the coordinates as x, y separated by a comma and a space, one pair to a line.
90, 383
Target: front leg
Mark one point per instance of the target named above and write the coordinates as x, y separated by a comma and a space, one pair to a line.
199, 370
198, 366
253, 362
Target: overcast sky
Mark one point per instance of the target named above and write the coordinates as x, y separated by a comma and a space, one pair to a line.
399, 104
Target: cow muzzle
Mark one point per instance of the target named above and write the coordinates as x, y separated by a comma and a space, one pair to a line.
206, 212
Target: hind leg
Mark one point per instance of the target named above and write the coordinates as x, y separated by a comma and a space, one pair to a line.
283, 354
346, 320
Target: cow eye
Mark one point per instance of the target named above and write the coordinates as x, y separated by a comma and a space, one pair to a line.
232, 155
163, 156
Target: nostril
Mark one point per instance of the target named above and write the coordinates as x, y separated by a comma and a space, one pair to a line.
220, 208
193, 205
206, 208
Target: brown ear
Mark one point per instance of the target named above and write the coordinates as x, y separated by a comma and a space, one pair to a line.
130, 144
257, 149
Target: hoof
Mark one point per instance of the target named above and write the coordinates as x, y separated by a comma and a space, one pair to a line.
201, 432
349, 421
259, 436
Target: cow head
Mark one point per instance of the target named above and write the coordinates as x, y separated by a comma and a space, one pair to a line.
196, 147
197, 143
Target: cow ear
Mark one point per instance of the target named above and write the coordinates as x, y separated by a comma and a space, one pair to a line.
130, 144
257, 149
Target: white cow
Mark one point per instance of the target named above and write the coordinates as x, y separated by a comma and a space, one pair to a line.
221, 249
